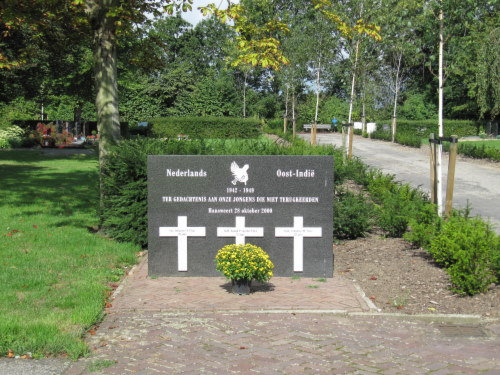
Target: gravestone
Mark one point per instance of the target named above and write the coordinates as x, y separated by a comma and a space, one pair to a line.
199, 204
371, 127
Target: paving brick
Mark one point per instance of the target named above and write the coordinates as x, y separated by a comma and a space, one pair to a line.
153, 328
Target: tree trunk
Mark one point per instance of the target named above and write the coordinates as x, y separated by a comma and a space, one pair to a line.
363, 103
396, 93
439, 167
106, 82
350, 127
285, 118
245, 95
363, 114
318, 88
105, 62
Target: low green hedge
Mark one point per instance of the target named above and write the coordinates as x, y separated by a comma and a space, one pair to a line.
403, 137
205, 127
423, 128
410, 133
476, 151
470, 251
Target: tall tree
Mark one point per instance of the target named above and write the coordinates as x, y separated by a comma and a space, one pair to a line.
354, 23
454, 20
400, 19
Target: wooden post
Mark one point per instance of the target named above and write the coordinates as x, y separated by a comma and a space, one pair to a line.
344, 137
432, 144
451, 175
350, 131
313, 134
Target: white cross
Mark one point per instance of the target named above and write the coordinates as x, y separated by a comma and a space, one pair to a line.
298, 232
240, 231
182, 232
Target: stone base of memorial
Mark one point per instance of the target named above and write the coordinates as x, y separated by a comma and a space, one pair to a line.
241, 286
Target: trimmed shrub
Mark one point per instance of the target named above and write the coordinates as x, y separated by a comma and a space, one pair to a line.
408, 139
477, 151
350, 169
352, 215
403, 137
423, 128
393, 216
397, 204
424, 226
384, 135
469, 249
205, 127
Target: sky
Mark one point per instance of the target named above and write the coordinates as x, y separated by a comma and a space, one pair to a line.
195, 15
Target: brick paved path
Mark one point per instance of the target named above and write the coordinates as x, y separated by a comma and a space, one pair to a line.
163, 327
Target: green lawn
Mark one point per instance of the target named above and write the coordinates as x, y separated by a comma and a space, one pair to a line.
54, 269
488, 143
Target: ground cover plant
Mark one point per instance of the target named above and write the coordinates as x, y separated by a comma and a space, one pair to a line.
54, 269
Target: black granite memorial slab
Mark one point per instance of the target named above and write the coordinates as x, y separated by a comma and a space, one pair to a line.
198, 204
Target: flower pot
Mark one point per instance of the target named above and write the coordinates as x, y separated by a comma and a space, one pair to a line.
241, 286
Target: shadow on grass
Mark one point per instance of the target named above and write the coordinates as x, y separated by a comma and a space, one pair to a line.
40, 189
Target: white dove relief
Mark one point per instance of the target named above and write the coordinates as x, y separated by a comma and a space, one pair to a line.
239, 174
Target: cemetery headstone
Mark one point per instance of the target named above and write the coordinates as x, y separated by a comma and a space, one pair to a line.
371, 127
198, 204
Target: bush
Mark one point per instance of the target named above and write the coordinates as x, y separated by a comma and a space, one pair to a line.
408, 139
205, 127
384, 135
393, 216
352, 215
424, 226
397, 204
350, 169
469, 249
477, 151
403, 136
11, 137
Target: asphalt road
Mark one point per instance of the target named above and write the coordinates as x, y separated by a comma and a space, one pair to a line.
476, 182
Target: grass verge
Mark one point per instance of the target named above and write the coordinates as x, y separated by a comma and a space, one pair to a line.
54, 269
